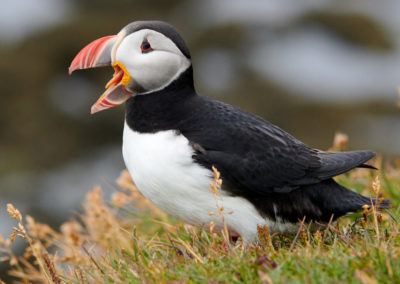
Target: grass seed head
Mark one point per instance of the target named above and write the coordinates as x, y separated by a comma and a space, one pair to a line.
217, 177
14, 213
340, 141
212, 227
119, 199
376, 186
264, 236
318, 237
2, 241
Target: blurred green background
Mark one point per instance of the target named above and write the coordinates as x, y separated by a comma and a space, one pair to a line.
310, 66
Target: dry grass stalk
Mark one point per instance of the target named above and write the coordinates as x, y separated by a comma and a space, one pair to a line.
36, 246
364, 278
340, 142
51, 269
376, 188
299, 233
14, 213
216, 190
264, 237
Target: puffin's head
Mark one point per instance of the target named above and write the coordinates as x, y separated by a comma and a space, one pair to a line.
146, 56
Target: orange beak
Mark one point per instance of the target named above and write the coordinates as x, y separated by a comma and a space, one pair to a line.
99, 53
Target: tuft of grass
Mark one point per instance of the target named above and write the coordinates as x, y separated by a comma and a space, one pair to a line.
129, 240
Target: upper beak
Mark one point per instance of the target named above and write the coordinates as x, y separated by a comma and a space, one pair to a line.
102, 52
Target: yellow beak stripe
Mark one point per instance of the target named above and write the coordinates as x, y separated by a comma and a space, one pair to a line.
127, 77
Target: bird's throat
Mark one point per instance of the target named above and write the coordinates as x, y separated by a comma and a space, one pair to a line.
163, 109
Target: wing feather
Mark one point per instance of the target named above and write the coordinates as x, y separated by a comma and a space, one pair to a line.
257, 156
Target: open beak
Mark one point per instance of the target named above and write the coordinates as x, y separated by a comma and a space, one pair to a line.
99, 53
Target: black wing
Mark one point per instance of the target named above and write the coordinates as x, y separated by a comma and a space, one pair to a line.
253, 154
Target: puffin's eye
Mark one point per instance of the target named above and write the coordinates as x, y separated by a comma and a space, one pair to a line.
145, 46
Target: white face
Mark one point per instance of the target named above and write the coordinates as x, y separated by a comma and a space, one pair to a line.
152, 70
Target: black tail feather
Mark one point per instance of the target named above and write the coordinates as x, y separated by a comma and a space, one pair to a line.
338, 200
317, 202
380, 205
365, 166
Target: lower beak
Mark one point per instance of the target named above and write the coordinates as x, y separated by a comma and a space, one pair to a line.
116, 92
102, 52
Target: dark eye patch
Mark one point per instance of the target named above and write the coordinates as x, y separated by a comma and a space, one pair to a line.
146, 46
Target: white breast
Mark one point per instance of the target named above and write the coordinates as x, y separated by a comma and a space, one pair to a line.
162, 168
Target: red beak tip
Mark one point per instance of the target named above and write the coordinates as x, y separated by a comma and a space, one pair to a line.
71, 69
94, 109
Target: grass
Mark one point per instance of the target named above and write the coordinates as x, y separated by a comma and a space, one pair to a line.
131, 241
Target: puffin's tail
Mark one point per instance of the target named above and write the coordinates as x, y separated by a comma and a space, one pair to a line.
338, 200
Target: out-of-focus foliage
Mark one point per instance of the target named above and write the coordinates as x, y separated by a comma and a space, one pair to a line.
355, 28
36, 134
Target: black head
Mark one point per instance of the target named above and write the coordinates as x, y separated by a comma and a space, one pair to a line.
162, 27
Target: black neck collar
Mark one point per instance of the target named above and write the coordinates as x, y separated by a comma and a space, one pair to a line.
161, 110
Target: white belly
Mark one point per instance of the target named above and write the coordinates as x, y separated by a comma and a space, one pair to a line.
162, 168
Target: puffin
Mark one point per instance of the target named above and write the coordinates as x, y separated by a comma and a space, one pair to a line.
173, 137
